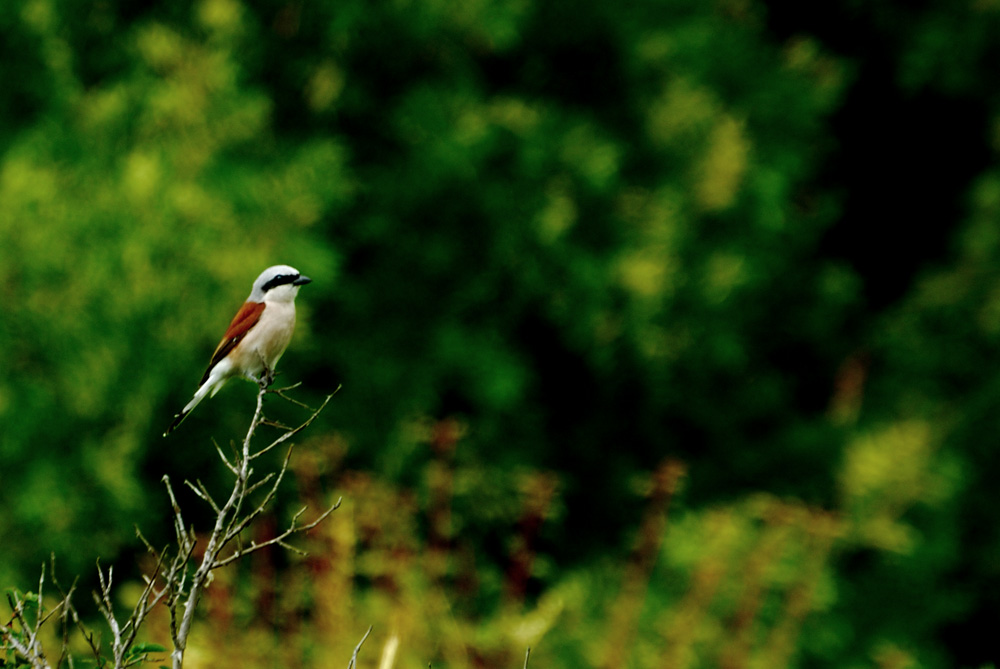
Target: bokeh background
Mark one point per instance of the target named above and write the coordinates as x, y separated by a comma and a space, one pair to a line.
667, 330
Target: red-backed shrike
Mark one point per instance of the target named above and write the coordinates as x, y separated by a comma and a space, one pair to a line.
256, 338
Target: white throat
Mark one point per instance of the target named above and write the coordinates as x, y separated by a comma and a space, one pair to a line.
282, 294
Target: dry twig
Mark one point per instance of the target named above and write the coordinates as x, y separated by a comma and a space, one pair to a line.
176, 580
354, 657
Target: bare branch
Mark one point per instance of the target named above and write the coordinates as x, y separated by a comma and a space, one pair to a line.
65, 615
238, 525
145, 542
70, 611
291, 433
183, 538
230, 518
274, 423
251, 489
222, 456
354, 657
103, 600
33, 637
292, 529
176, 579
280, 392
25, 642
203, 493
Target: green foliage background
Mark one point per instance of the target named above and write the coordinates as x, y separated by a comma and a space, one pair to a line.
597, 235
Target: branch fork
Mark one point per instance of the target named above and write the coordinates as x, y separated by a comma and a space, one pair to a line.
178, 578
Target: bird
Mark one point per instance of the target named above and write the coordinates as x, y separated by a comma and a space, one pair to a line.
255, 339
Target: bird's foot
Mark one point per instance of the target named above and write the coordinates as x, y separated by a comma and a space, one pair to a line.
265, 379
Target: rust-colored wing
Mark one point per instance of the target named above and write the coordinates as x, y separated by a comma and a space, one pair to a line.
245, 318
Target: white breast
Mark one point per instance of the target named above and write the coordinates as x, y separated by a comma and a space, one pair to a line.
267, 340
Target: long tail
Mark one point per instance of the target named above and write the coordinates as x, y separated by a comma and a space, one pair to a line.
178, 419
189, 407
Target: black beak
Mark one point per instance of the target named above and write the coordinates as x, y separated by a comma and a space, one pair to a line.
301, 281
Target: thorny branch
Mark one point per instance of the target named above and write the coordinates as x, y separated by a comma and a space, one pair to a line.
176, 580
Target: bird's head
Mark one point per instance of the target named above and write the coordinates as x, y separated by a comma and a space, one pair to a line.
277, 284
